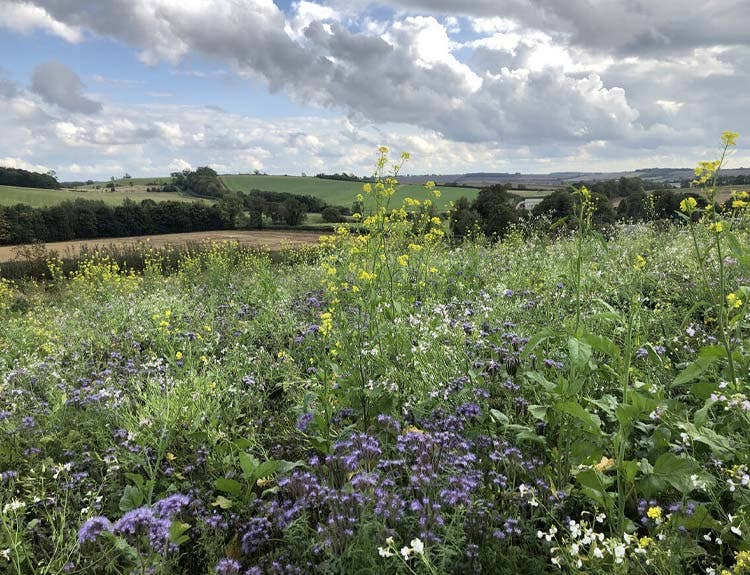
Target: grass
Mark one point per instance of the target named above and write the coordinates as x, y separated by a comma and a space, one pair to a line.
38, 197
338, 192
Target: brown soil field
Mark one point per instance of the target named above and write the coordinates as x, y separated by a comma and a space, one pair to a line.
263, 239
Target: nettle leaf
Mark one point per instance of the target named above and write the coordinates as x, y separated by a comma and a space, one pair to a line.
132, 498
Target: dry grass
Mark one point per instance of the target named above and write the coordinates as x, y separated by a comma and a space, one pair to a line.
263, 239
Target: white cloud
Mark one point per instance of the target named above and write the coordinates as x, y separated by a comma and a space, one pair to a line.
21, 164
26, 17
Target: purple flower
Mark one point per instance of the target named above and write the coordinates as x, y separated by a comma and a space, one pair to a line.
228, 567
94, 527
641, 353
304, 421
170, 506
142, 521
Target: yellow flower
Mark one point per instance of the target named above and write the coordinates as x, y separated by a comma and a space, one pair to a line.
415, 247
717, 227
178, 355
326, 323
688, 204
644, 542
729, 138
739, 204
654, 512
403, 260
366, 276
639, 263
383, 150
733, 301
405, 156
367, 188
429, 185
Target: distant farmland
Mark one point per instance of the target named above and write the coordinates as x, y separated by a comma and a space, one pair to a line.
260, 239
38, 197
339, 192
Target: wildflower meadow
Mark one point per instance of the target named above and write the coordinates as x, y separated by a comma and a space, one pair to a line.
389, 402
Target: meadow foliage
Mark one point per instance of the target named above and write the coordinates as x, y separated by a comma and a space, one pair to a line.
390, 402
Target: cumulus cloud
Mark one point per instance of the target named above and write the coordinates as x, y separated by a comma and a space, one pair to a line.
476, 79
59, 85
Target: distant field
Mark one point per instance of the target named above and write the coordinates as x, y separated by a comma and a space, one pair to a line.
264, 239
338, 192
37, 197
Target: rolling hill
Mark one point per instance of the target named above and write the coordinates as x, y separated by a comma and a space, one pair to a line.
39, 197
338, 192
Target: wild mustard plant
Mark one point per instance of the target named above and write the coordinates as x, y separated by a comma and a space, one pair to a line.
718, 228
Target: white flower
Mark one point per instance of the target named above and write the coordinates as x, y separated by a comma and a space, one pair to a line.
736, 530
385, 552
417, 546
574, 549
14, 505
389, 541
598, 553
5, 554
405, 552
601, 517
619, 553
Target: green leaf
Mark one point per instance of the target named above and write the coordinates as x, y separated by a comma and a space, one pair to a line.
594, 484
132, 498
177, 532
248, 463
677, 471
719, 445
267, 468
228, 486
499, 417
707, 356
590, 421
579, 352
603, 345
136, 478
536, 377
535, 340
223, 502
538, 411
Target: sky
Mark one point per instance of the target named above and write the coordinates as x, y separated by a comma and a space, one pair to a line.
100, 88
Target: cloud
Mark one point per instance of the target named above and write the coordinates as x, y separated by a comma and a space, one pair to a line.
25, 17
57, 84
9, 162
477, 81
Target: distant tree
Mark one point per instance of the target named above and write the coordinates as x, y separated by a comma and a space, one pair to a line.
558, 205
332, 214
464, 219
496, 208
294, 212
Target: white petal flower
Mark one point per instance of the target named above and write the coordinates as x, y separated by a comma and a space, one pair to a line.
417, 546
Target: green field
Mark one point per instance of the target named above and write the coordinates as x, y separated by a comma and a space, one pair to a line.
37, 197
338, 192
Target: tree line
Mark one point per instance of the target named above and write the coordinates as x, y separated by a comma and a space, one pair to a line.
26, 179
493, 212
